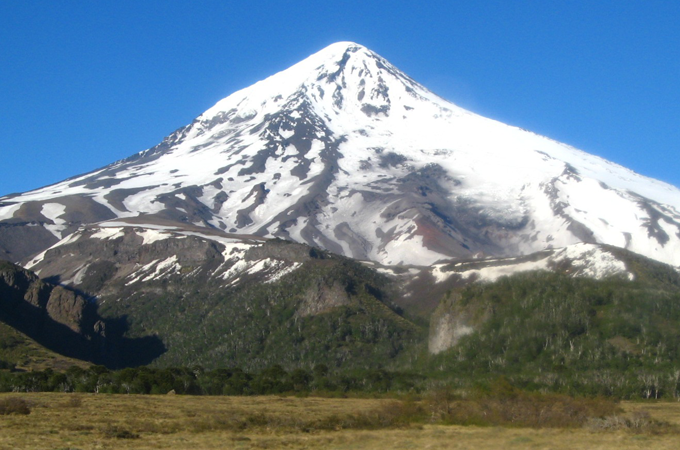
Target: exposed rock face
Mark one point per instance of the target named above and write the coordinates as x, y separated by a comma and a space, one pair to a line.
56, 317
448, 324
446, 332
68, 308
322, 298
21, 240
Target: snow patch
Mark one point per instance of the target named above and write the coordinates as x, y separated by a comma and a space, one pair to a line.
78, 275
160, 268
108, 233
439, 275
7, 212
237, 268
592, 261
275, 270
493, 273
53, 211
586, 260
151, 236
276, 276
41, 256
165, 267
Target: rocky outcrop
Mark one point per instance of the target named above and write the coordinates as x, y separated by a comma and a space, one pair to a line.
24, 295
67, 308
448, 324
322, 298
58, 318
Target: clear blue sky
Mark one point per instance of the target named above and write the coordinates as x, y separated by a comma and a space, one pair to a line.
83, 84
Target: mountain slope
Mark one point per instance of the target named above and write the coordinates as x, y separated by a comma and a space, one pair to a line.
224, 300
214, 299
344, 152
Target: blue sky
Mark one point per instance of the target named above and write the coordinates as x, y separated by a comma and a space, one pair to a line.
83, 84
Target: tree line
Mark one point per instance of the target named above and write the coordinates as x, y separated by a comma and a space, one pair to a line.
198, 381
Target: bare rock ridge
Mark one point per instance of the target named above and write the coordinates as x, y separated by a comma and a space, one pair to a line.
344, 152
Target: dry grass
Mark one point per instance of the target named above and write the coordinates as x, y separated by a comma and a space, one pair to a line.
68, 421
660, 410
519, 409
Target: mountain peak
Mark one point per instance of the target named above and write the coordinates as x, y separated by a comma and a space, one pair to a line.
334, 67
339, 48
336, 54
345, 152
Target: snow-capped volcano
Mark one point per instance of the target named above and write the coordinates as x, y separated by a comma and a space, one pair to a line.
344, 152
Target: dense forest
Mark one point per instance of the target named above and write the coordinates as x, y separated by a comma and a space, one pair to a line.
540, 331
551, 332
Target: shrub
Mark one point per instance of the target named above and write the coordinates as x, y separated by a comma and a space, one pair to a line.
74, 401
14, 405
637, 421
115, 432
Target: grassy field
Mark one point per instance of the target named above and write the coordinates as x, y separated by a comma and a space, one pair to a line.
88, 421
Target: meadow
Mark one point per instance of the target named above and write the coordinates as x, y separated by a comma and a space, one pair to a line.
103, 421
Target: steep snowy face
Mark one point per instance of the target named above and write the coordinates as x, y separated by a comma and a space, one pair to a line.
344, 152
